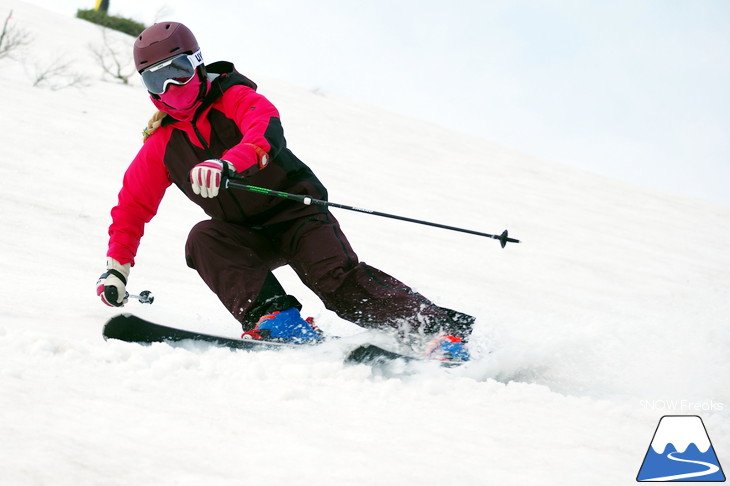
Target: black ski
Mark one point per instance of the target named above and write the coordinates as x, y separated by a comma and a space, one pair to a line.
133, 329
375, 355
372, 354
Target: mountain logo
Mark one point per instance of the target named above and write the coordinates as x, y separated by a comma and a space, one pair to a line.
681, 451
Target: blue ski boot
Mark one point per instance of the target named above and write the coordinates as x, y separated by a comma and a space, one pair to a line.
285, 326
448, 348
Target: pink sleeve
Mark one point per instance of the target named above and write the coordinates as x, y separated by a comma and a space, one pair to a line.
144, 185
258, 121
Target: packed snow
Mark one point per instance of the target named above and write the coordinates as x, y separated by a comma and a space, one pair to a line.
612, 312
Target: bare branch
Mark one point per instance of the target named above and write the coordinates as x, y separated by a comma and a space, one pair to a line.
112, 62
12, 37
57, 75
163, 12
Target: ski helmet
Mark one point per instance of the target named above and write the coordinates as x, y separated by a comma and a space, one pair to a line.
162, 41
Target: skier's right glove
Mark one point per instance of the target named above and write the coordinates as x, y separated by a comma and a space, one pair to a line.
208, 177
111, 286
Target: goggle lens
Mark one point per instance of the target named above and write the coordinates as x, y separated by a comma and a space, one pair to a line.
179, 70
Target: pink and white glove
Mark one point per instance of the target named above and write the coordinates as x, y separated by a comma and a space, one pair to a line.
111, 286
207, 177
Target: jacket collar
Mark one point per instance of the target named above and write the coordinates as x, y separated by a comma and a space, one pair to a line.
222, 75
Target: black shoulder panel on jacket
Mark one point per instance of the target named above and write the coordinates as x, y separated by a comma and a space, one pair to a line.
228, 76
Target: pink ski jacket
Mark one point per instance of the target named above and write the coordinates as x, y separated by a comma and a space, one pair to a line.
233, 123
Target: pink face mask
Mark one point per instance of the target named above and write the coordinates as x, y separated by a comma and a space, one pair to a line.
180, 101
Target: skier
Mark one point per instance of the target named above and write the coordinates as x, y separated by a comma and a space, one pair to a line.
211, 125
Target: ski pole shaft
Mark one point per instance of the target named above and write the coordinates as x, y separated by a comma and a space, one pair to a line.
144, 297
503, 237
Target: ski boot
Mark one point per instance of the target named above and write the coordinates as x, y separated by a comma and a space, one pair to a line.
448, 348
285, 326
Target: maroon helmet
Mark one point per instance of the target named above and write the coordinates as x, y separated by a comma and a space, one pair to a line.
162, 41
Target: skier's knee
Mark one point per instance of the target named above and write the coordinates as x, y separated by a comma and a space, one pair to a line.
200, 236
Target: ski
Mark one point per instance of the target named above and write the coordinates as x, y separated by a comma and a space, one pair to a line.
372, 354
133, 329
375, 355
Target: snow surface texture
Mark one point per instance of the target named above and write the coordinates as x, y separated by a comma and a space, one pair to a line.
611, 313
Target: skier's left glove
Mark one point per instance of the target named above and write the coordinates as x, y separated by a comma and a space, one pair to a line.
111, 286
207, 177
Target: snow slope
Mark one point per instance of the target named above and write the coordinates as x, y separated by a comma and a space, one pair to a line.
611, 313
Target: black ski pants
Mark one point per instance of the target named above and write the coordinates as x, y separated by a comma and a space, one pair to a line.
236, 262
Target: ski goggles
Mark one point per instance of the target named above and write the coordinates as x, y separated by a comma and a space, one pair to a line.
178, 70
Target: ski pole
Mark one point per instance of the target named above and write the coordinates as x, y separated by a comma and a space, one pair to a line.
503, 238
144, 297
